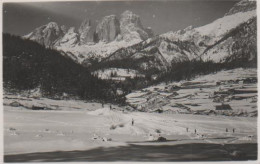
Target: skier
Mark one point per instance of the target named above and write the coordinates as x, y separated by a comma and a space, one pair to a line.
132, 122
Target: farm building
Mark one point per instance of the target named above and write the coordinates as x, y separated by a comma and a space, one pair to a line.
223, 107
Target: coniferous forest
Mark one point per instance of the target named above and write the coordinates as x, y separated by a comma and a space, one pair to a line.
28, 65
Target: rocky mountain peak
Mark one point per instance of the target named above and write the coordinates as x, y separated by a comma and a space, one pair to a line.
86, 32
53, 27
108, 28
132, 28
85, 24
46, 34
70, 38
64, 29
128, 17
71, 30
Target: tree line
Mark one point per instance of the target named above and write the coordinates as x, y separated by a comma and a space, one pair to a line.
28, 65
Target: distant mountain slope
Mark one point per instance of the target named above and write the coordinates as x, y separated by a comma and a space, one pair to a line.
242, 6
28, 65
227, 39
125, 43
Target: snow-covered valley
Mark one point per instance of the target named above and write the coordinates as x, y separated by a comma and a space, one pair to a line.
27, 131
45, 125
111, 89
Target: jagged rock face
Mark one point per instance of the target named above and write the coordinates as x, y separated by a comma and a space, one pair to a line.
108, 29
46, 34
128, 17
131, 27
71, 38
242, 6
86, 32
64, 29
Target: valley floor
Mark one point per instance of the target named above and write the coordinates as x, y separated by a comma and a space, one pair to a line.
27, 131
72, 130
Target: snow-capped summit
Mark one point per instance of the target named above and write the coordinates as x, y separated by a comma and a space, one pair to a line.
214, 41
46, 34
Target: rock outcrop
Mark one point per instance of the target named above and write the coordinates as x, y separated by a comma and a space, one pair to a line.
71, 38
64, 29
86, 32
46, 34
128, 29
131, 27
108, 29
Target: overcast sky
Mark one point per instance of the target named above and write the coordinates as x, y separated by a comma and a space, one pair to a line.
161, 16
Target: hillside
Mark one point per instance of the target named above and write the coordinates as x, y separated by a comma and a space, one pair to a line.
28, 66
229, 39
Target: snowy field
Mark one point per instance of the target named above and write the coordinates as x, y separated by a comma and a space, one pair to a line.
27, 131
73, 125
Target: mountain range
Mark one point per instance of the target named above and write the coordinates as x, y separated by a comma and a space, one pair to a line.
117, 40
110, 34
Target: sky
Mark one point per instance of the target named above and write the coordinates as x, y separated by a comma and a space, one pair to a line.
161, 16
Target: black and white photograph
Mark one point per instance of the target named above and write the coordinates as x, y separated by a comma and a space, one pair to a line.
129, 81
